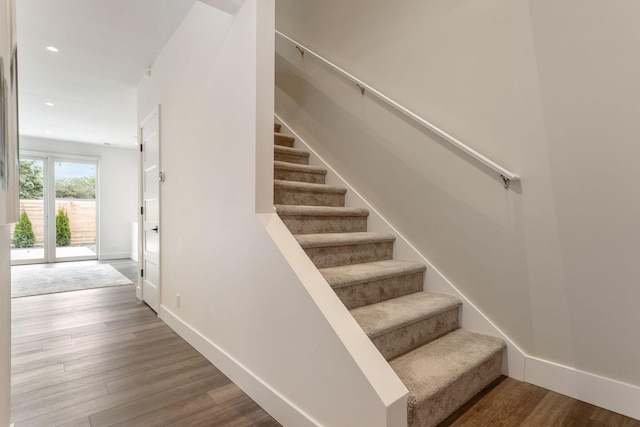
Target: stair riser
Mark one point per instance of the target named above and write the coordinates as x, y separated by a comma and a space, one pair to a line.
333, 256
323, 224
404, 339
283, 141
287, 197
430, 412
285, 175
291, 158
362, 294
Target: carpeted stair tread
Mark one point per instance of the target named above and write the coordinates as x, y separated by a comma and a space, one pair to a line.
293, 167
342, 239
291, 151
342, 248
367, 283
348, 275
291, 155
377, 319
304, 219
442, 375
283, 140
276, 127
286, 171
305, 193
399, 325
308, 187
320, 210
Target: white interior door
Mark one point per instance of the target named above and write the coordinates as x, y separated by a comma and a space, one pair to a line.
150, 213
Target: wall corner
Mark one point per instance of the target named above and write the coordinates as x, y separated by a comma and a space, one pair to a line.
265, 88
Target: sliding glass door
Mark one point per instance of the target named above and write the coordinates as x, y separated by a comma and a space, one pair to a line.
59, 207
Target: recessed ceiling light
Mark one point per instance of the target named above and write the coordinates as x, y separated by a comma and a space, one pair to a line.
52, 49
49, 104
48, 132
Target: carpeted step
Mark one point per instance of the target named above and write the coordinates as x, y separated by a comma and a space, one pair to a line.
283, 140
372, 282
330, 250
322, 219
442, 375
402, 324
291, 155
308, 194
301, 173
276, 127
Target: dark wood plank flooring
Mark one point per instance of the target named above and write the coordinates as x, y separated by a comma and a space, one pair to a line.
509, 403
98, 357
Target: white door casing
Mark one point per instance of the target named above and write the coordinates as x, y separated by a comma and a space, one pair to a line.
150, 212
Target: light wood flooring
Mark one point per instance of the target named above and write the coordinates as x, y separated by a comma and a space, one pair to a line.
99, 358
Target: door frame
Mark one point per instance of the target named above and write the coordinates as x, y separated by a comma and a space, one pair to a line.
139, 286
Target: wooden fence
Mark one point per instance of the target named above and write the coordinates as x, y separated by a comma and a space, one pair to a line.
82, 219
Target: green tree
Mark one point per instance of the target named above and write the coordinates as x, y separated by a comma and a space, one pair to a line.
23, 235
63, 230
83, 187
30, 180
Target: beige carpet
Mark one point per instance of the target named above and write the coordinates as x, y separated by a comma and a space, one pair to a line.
28, 280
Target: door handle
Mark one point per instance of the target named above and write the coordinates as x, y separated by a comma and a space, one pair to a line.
155, 229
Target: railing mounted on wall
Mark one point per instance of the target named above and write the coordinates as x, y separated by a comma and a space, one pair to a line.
506, 175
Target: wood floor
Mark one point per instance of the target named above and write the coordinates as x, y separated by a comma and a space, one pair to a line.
508, 402
99, 358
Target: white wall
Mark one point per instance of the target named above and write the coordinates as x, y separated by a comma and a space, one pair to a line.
588, 69
5, 324
118, 189
548, 90
272, 325
7, 18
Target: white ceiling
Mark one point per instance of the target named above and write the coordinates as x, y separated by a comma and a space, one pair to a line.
105, 48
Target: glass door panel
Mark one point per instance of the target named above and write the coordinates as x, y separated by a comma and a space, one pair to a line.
29, 235
75, 210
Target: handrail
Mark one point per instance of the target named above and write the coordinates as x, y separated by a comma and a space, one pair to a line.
505, 174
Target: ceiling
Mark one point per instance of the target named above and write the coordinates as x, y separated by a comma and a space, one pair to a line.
104, 48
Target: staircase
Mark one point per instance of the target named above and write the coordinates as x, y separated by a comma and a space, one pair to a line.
417, 332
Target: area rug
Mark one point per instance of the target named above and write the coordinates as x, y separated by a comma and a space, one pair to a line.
27, 280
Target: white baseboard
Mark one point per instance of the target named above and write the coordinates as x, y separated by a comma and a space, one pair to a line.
600, 391
284, 411
607, 393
